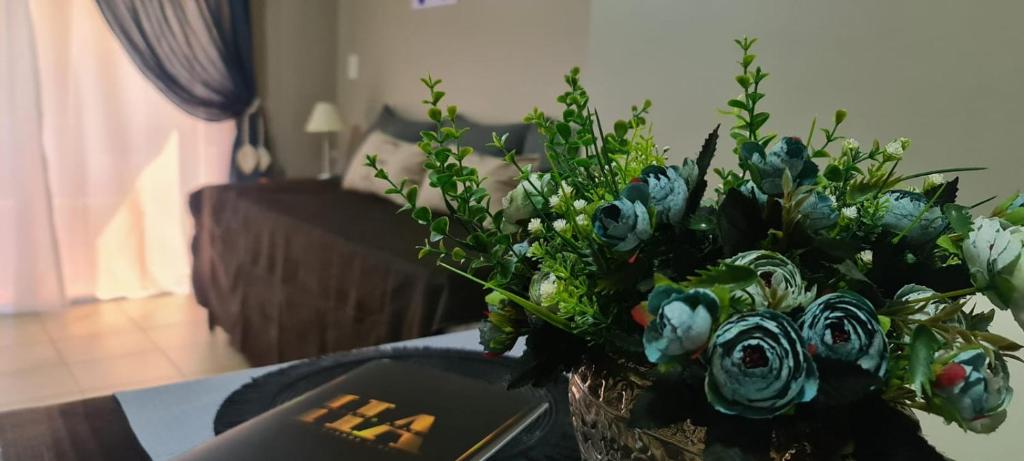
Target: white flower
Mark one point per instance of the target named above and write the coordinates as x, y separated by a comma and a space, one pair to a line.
554, 200
993, 253
566, 190
851, 144
579, 204
535, 227
548, 288
582, 220
850, 212
866, 256
936, 178
560, 225
895, 148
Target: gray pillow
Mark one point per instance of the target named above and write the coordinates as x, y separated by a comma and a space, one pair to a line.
392, 124
479, 136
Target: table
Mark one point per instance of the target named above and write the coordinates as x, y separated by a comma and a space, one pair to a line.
169, 420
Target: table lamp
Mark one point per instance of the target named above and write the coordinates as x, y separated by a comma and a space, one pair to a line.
324, 119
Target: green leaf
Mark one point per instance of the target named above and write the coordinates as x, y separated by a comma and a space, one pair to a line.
923, 345
759, 120
621, 128
458, 254
411, 194
1015, 217
744, 80
737, 103
999, 342
660, 279
833, 173
946, 243
434, 114
959, 218
564, 130
886, 323
421, 215
439, 228
729, 275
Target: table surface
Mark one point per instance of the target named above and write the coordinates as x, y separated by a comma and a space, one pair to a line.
169, 420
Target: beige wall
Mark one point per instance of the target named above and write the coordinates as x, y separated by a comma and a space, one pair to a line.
943, 73
498, 58
295, 47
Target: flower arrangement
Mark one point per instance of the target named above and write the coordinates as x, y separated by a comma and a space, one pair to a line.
815, 290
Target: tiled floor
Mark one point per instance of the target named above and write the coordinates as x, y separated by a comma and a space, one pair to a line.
102, 348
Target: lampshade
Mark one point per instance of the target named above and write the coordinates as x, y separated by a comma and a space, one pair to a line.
324, 118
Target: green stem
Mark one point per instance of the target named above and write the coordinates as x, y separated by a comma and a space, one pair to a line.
927, 299
526, 304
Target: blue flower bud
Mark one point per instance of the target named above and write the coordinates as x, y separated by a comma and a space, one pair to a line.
818, 213
975, 389
844, 326
758, 367
668, 192
903, 209
768, 168
681, 321
625, 222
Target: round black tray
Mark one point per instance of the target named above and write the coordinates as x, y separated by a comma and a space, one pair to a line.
549, 437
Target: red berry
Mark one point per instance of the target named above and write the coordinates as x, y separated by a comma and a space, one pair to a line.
951, 375
640, 315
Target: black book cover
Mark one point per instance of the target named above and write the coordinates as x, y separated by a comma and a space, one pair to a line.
382, 411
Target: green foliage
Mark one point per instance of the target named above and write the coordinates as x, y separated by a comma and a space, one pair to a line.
556, 278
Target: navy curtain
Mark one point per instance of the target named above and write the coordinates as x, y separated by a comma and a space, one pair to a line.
197, 52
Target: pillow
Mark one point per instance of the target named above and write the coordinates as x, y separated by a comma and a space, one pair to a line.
402, 160
500, 178
480, 135
391, 123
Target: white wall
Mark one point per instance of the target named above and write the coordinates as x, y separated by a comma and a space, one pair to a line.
498, 58
942, 72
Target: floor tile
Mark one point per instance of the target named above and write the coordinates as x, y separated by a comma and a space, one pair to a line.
87, 320
16, 357
22, 329
203, 359
104, 345
183, 334
35, 383
163, 310
123, 371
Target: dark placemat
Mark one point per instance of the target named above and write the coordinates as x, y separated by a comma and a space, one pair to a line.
549, 437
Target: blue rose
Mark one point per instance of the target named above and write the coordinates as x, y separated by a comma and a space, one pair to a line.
758, 367
901, 215
668, 191
844, 326
625, 222
779, 286
975, 389
504, 324
818, 212
768, 168
913, 292
680, 323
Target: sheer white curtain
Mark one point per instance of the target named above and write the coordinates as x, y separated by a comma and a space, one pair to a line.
30, 276
121, 160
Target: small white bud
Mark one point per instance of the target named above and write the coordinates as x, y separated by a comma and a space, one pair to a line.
535, 227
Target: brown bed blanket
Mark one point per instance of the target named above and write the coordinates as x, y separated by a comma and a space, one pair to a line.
303, 268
